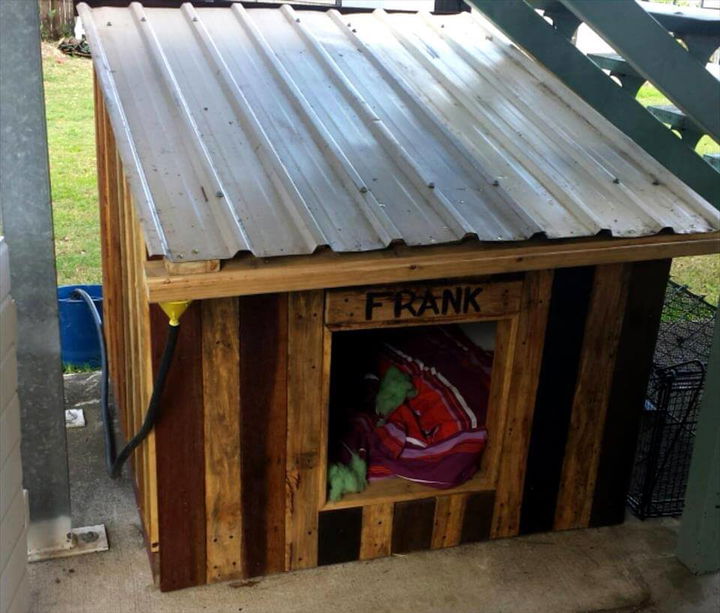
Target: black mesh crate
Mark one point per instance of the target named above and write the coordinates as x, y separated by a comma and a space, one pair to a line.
667, 429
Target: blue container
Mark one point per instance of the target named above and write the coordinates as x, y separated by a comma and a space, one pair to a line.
78, 337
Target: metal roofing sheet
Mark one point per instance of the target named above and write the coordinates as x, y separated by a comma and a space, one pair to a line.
277, 132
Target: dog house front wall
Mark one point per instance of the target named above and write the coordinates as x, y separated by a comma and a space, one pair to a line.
241, 446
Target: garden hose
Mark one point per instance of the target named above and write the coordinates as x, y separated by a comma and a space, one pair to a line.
114, 461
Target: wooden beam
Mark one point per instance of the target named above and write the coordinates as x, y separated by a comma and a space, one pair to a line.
221, 396
376, 537
297, 273
628, 393
179, 437
592, 392
449, 514
191, 268
529, 334
263, 421
306, 419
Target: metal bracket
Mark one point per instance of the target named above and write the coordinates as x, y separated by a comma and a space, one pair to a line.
90, 539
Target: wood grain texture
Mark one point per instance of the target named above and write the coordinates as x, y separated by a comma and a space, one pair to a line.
529, 332
306, 417
647, 285
449, 513
221, 397
413, 523
263, 405
339, 536
376, 539
191, 268
251, 275
396, 490
592, 392
179, 436
420, 304
478, 516
553, 406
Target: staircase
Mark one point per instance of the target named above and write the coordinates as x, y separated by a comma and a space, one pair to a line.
644, 36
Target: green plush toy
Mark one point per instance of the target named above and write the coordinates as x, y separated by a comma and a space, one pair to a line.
395, 387
347, 478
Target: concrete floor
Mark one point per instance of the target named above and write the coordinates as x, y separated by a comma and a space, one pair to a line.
621, 569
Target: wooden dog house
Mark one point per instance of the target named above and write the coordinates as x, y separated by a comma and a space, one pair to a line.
293, 173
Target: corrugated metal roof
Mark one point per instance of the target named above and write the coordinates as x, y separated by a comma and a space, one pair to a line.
277, 132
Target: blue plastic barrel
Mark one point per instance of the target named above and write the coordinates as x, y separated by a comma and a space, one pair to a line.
78, 338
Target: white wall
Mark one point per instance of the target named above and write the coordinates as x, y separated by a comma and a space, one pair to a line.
14, 589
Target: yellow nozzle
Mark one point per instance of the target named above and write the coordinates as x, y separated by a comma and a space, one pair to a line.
175, 309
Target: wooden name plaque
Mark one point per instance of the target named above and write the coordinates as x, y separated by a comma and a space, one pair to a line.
418, 304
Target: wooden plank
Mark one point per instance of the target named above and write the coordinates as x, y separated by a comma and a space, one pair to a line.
561, 358
221, 397
647, 286
339, 536
529, 331
477, 519
180, 455
396, 490
249, 275
306, 417
376, 538
191, 268
497, 414
413, 523
421, 304
263, 406
449, 513
592, 392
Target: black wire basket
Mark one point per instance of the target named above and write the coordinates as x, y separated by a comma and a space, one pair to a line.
667, 428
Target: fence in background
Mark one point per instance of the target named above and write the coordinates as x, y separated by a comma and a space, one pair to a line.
57, 18
669, 422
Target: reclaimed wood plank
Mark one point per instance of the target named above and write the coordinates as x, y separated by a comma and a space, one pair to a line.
339, 536
449, 513
529, 331
420, 304
396, 490
413, 523
221, 397
376, 538
592, 392
249, 275
477, 518
179, 436
263, 427
306, 417
561, 358
191, 268
647, 285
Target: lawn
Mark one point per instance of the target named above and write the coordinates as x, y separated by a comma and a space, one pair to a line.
71, 141
71, 137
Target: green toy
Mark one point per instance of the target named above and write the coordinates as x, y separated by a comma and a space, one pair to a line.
347, 478
395, 387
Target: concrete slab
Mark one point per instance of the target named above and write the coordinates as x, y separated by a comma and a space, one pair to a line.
626, 568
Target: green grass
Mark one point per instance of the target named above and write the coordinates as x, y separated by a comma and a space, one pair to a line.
71, 142
648, 95
71, 137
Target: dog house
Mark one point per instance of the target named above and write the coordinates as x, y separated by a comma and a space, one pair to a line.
332, 191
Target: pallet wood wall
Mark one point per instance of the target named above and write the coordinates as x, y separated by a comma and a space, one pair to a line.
126, 313
232, 481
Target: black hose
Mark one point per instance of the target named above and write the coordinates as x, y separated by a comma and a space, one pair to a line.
114, 462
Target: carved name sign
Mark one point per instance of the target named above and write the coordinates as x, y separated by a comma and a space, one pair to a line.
407, 304
456, 300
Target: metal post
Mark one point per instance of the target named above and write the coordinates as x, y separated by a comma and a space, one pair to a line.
699, 542
27, 224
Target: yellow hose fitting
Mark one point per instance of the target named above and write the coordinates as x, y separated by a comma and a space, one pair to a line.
175, 309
